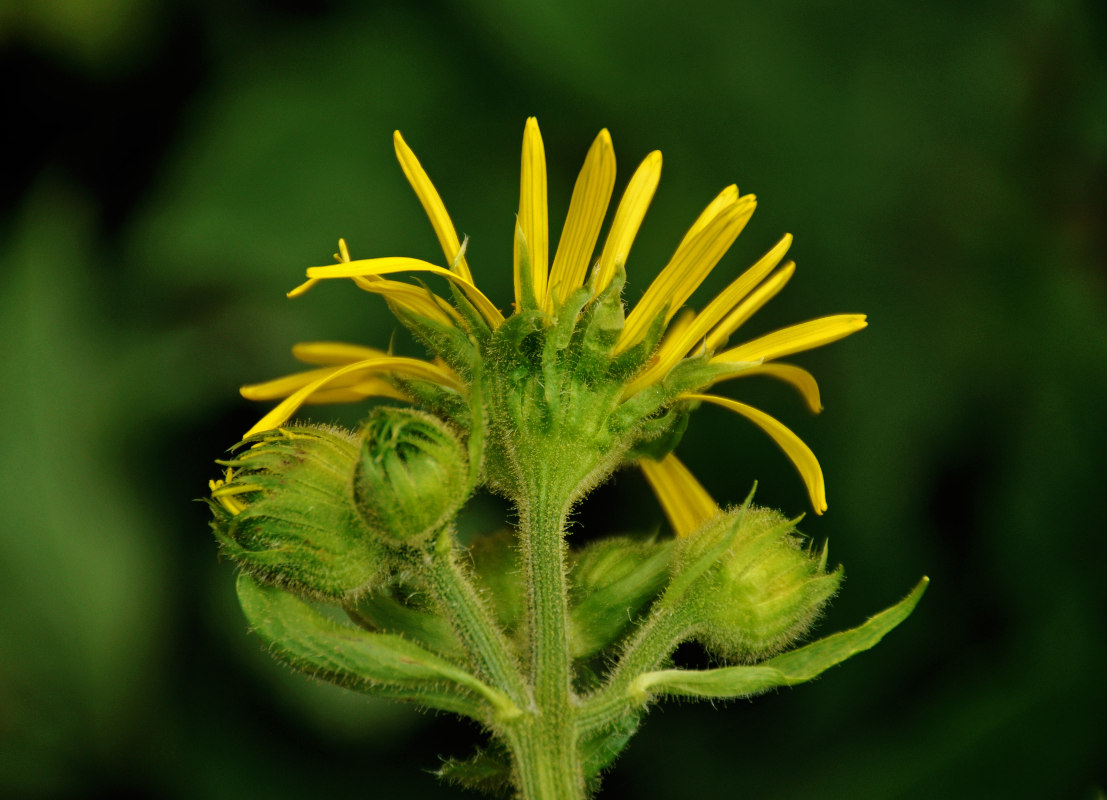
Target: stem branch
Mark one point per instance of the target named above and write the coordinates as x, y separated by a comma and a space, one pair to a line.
481, 637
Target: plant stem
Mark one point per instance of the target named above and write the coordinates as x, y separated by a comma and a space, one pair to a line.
653, 644
485, 643
547, 759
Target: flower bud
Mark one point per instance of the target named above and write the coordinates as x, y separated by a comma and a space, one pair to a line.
411, 478
285, 514
611, 580
763, 592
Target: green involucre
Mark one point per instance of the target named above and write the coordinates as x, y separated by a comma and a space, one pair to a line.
763, 592
296, 523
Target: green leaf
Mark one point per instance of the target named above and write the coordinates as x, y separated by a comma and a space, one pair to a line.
598, 751
787, 669
388, 609
487, 771
374, 663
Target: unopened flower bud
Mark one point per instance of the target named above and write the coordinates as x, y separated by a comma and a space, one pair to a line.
412, 477
285, 514
764, 591
612, 580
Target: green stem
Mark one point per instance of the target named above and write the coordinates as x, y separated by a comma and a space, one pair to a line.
482, 639
647, 651
547, 758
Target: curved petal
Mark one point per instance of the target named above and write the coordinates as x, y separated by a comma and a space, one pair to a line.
533, 217
388, 365
362, 390
417, 300
282, 387
685, 502
793, 447
691, 263
587, 208
333, 352
800, 379
433, 205
384, 266
628, 219
795, 338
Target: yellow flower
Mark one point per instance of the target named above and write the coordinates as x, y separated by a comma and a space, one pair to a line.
350, 373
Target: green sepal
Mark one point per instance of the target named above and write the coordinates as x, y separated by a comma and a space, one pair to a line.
451, 344
625, 365
566, 318
478, 326
598, 331
374, 663
788, 669
444, 402
529, 300
690, 375
387, 610
658, 436
612, 580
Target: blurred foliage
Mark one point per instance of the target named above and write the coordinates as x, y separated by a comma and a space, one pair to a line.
170, 169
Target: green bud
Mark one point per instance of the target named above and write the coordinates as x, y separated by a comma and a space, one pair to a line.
411, 478
764, 591
612, 579
285, 514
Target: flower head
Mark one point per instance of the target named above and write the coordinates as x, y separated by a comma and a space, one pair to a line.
568, 367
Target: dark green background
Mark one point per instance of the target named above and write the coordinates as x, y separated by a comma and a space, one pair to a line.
171, 168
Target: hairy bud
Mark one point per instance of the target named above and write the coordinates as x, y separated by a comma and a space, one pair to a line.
763, 592
285, 514
412, 476
612, 581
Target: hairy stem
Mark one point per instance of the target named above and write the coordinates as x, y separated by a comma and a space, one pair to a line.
481, 637
547, 760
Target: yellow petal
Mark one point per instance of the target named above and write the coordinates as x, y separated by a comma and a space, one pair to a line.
685, 502
678, 329
384, 266
347, 389
357, 392
628, 218
793, 447
389, 365
333, 352
433, 205
278, 388
802, 380
587, 209
750, 306
795, 338
723, 199
679, 342
302, 288
417, 300
691, 263
533, 218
